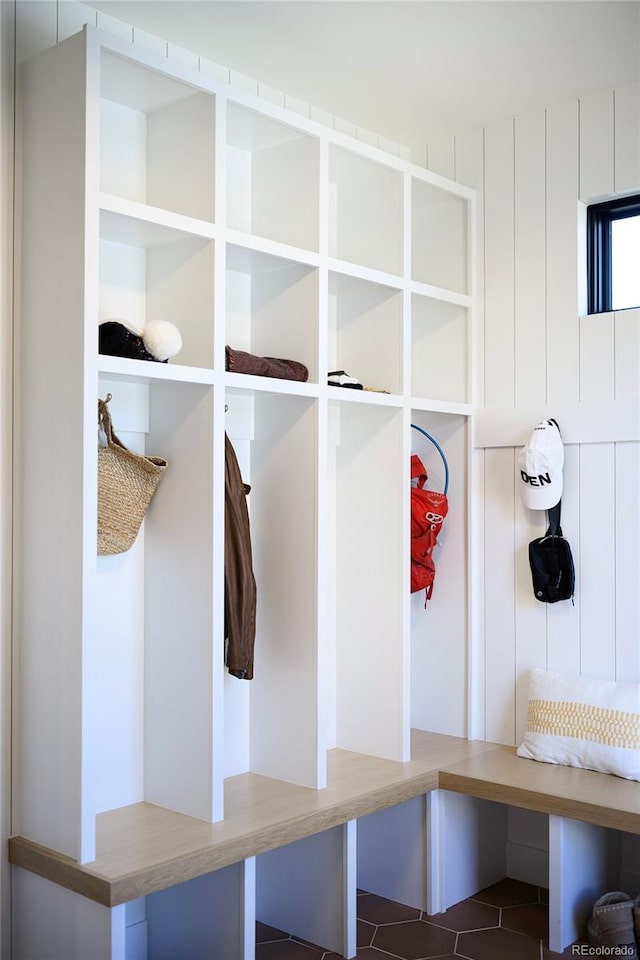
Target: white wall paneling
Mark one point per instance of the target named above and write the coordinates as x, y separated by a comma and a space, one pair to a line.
499, 265
627, 568
477, 647
530, 327
470, 171
442, 156
36, 28
562, 253
596, 145
499, 597
597, 562
627, 353
586, 375
530, 614
587, 421
564, 619
626, 107
72, 16
597, 357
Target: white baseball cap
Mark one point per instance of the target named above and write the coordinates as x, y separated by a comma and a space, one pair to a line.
540, 466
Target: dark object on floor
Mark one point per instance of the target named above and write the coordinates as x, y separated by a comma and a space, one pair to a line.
239, 361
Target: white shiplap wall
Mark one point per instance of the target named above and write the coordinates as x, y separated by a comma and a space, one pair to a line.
539, 357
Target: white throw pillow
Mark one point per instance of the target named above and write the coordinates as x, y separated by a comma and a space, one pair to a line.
581, 722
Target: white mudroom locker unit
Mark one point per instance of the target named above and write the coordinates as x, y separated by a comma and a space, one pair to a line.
168, 195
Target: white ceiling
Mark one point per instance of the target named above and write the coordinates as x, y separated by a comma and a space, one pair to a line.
409, 70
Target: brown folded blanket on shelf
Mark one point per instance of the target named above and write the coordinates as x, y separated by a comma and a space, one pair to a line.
238, 361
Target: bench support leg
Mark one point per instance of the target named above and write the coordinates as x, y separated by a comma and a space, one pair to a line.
303, 888
392, 853
202, 919
467, 847
51, 921
584, 863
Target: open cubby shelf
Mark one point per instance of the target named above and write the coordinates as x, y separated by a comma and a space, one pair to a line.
251, 227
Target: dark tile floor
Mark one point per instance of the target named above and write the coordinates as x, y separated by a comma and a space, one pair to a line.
507, 921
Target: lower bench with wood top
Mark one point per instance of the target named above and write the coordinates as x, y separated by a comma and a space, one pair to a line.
591, 817
166, 885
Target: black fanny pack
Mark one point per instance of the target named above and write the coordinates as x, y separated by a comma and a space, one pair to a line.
551, 563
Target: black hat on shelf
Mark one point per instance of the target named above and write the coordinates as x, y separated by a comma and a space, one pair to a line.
159, 340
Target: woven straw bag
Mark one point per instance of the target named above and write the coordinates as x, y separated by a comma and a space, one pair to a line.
126, 483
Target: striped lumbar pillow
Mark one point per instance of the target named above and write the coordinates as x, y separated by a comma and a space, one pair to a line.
582, 722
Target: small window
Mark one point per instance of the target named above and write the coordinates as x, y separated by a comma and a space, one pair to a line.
613, 254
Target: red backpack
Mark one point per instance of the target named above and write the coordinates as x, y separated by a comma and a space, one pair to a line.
428, 510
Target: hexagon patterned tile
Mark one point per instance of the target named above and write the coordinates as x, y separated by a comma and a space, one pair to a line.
507, 921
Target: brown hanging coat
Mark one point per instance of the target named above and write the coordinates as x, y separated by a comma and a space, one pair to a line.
239, 581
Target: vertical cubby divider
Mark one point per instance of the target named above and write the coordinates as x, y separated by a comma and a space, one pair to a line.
284, 536
445, 614
369, 588
179, 647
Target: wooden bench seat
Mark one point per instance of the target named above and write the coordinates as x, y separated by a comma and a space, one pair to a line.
143, 848
499, 774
